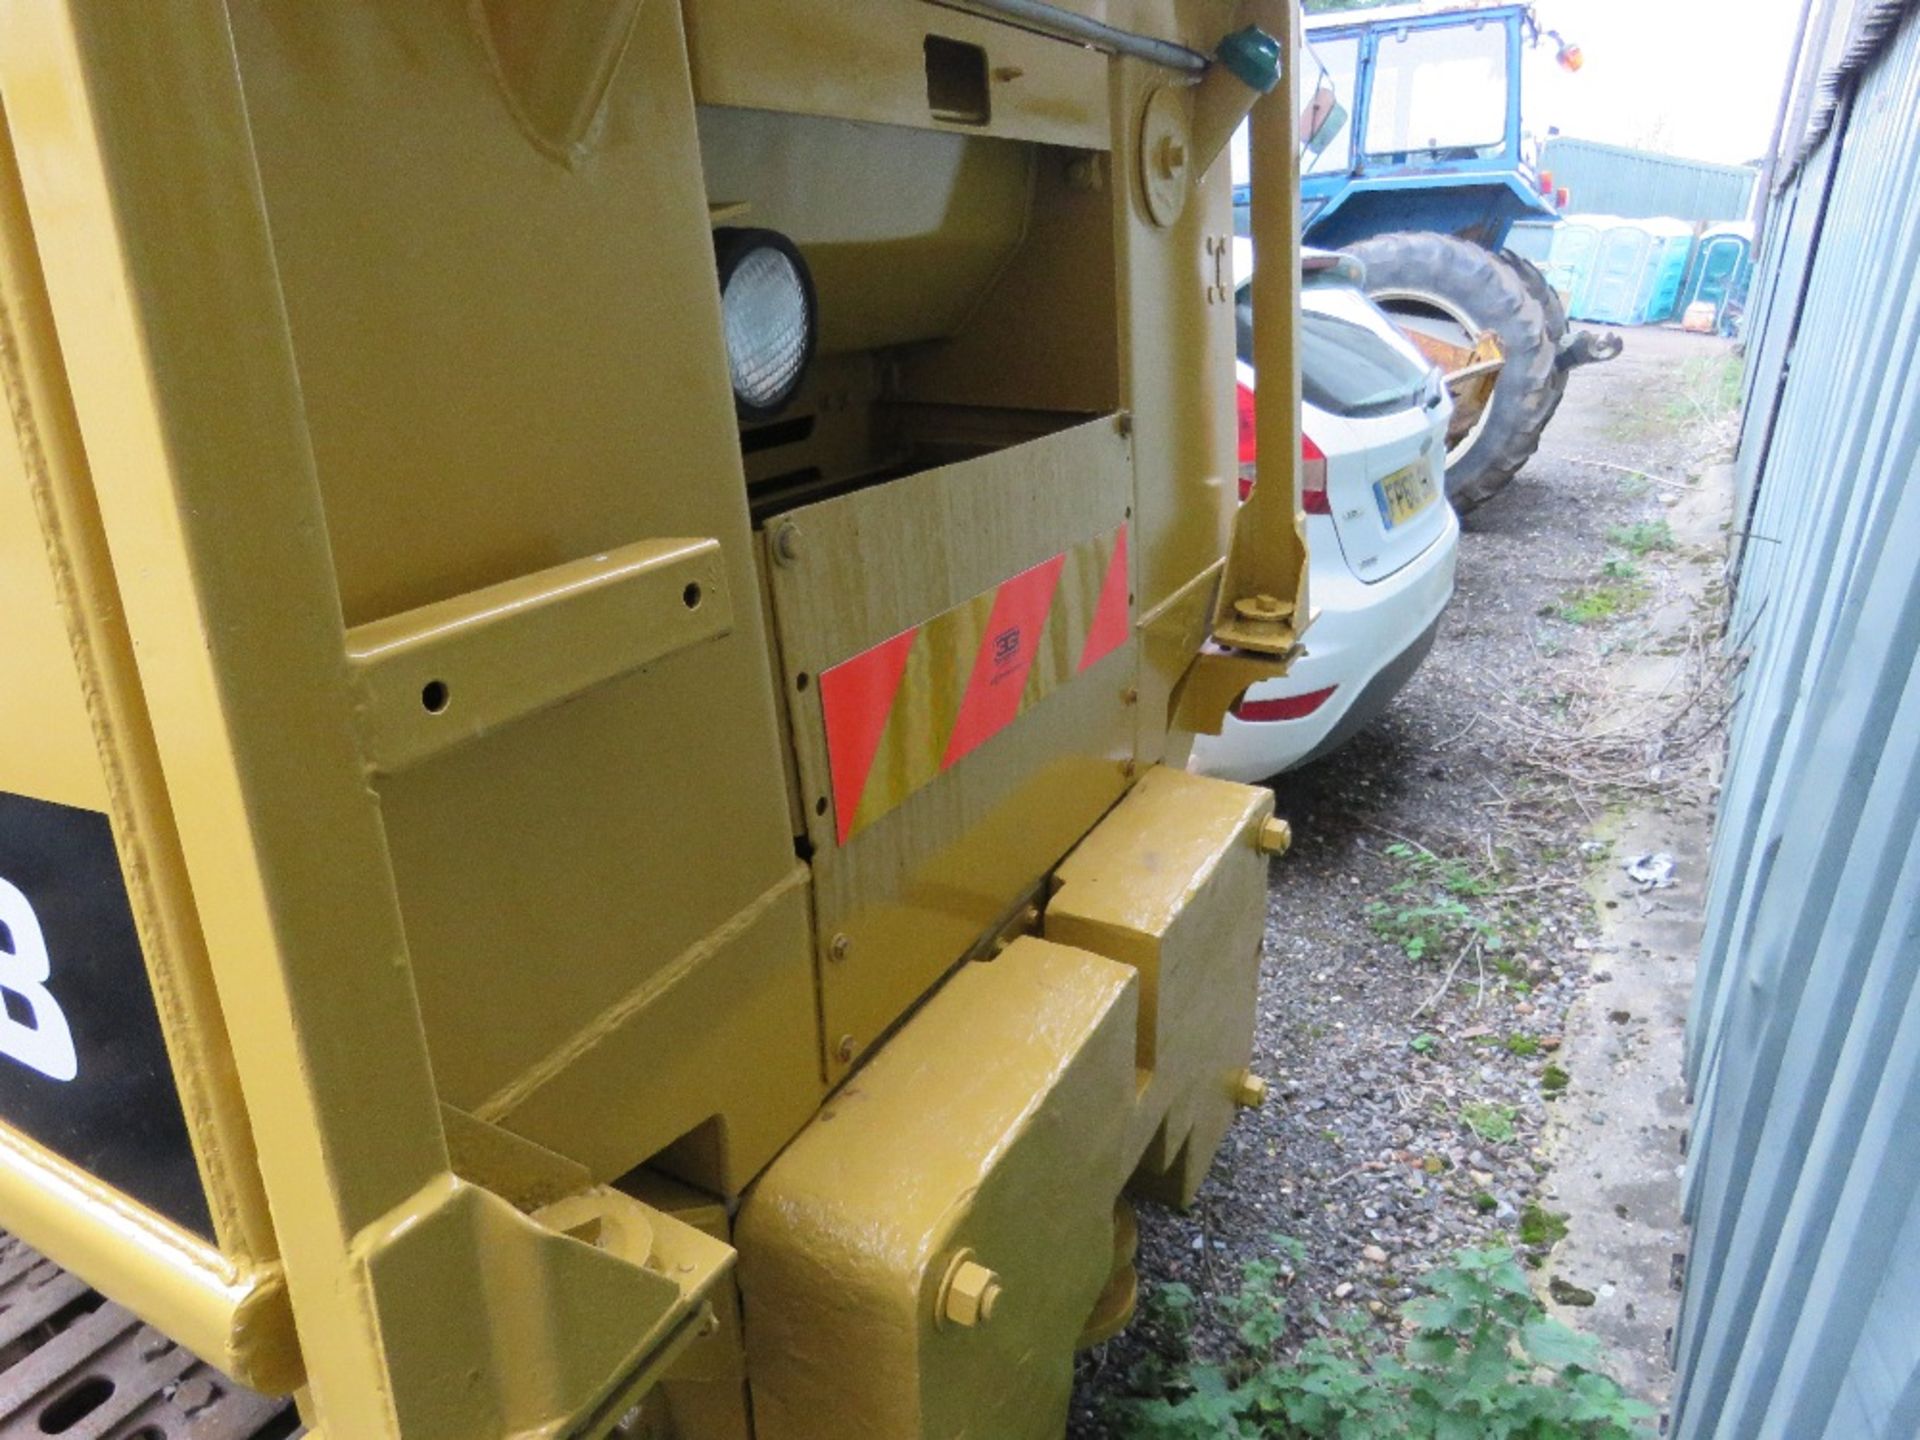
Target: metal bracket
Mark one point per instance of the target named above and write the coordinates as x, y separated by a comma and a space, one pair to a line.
1263, 596
436, 677
1215, 682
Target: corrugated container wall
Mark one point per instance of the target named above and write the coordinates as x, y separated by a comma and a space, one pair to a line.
1801, 1315
1641, 185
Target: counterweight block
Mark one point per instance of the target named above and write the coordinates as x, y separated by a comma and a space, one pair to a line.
924, 1258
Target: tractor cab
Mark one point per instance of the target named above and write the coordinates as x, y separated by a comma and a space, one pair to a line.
1416, 160
1435, 125
1417, 113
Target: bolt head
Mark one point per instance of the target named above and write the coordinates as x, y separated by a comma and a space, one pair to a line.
845, 1050
841, 947
1250, 1091
785, 543
1261, 607
1276, 836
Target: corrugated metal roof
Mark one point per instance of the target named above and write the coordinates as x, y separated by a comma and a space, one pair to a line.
1641, 184
1801, 1317
1850, 49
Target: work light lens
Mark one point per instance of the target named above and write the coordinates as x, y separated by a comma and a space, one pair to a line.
768, 309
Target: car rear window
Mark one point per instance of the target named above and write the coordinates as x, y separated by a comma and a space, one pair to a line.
1345, 368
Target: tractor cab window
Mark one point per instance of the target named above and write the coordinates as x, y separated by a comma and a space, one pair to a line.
1439, 92
1338, 64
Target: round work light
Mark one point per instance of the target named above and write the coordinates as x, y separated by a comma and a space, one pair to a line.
768, 306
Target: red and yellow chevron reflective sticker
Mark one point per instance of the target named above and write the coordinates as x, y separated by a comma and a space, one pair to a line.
912, 707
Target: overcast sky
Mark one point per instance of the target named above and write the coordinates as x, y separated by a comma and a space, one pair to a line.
1699, 78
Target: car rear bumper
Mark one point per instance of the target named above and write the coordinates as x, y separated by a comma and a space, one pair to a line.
1367, 640
1376, 695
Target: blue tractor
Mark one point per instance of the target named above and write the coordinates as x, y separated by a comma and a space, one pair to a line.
1416, 162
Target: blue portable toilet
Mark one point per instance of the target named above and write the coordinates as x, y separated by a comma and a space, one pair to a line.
1722, 270
1557, 248
1570, 259
1533, 240
1613, 277
1638, 269
1672, 252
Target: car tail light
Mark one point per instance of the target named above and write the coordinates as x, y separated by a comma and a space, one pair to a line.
1313, 460
1243, 399
1546, 183
1249, 430
1564, 197
1313, 477
1285, 707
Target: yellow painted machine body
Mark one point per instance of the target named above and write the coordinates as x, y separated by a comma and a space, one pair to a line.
533, 907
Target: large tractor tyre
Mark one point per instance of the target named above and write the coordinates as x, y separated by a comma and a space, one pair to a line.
1556, 312
1457, 291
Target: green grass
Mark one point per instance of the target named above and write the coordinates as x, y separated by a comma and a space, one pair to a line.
1600, 603
1490, 1122
1542, 1229
1707, 388
1642, 537
1428, 908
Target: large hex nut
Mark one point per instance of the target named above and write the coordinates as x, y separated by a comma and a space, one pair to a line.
1249, 1090
969, 1293
1276, 837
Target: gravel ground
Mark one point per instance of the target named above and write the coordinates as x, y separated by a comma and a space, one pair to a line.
1407, 1114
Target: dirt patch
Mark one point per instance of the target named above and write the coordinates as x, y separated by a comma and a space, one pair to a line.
1437, 919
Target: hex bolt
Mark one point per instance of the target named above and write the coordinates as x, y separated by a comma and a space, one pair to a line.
1249, 1090
1276, 836
1130, 696
841, 947
844, 1051
785, 543
970, 1293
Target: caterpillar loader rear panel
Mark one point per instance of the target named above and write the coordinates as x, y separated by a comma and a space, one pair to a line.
603, 604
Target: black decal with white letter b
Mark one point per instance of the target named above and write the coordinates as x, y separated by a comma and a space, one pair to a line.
83, 1066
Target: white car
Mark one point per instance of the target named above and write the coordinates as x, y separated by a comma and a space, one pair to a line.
1381, 537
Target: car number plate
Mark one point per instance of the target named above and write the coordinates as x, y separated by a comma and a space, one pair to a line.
1404, 494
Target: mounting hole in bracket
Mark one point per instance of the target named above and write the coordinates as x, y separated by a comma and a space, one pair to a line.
691, 596
434, 696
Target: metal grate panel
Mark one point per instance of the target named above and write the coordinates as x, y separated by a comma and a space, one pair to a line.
76, 1365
